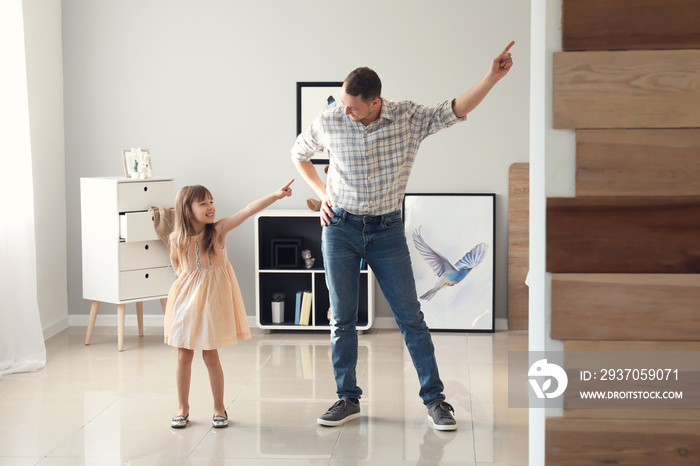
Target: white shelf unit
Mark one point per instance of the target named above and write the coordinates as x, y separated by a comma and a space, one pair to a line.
304, 226
124, 261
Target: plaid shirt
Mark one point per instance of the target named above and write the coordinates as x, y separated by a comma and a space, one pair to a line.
369, 166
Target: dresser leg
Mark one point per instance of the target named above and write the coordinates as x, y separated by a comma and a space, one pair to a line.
139, 316
91, 324
121, 308
164, 303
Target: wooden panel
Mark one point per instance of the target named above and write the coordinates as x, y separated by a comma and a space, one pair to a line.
627, 413
634, 89
518, 244
623, 235
686, 381
630, 24
636, 162
622, 442
587, 345
625, 307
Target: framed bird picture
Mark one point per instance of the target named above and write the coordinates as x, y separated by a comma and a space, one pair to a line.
451, 239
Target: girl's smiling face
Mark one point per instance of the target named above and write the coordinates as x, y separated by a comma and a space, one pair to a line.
203, 212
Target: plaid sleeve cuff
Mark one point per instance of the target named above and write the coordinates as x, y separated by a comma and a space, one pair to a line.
299, 153
449, 116
306, 145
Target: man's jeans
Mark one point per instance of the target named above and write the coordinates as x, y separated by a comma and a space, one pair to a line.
381, 241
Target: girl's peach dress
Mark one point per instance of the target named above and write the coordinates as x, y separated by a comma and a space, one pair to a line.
205, 309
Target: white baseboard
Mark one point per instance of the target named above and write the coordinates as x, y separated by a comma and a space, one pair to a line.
501, 324
154, 320
56, 327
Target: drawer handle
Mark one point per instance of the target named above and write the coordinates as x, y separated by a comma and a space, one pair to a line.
145, 188
146, 247
146, 275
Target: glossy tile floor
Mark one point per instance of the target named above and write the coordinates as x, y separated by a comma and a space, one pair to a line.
92, 405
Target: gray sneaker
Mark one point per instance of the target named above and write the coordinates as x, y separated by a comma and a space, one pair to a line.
342, 411
440, 416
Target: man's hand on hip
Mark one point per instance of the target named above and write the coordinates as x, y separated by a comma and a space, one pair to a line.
326, 212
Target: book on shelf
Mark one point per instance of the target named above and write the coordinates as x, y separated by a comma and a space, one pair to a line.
297, 308
305, 316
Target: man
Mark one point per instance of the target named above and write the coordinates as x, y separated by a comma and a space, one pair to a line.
372, 144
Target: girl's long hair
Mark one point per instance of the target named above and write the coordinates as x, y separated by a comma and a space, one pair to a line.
183, 222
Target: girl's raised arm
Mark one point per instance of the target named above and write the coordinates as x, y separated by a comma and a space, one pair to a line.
227, 224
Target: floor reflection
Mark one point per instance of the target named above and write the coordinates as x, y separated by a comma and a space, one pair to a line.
99, 406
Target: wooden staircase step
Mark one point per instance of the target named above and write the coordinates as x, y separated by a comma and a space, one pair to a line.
652, 345
625, 307
632, 89
630, 25
633, 442
623, 235
631, 413
677, 361
638, 162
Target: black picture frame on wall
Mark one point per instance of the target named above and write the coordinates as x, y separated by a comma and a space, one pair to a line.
312, 99
452, 242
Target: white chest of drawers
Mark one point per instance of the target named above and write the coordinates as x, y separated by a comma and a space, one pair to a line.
124, 261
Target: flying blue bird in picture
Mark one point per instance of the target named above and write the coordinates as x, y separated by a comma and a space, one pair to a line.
448, 274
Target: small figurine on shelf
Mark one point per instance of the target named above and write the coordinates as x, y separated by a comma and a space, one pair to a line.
145, 172
308, 260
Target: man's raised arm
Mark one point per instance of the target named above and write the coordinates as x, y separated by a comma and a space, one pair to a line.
468, 101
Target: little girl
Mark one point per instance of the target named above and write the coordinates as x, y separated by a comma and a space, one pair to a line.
205, 308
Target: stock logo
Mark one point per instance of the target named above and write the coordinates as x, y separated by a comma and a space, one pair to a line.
541, 370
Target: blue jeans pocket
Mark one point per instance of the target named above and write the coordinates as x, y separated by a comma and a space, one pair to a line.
393, 221
338, 216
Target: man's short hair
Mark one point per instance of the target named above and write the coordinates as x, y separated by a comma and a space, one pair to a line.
363, 82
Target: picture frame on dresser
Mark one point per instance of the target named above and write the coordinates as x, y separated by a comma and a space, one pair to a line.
451, 239
137, 163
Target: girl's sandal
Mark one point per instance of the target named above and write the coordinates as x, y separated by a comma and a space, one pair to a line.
220, 421
179, 421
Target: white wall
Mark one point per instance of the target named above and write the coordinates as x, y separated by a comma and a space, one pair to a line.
560, 164
209, 88
560, 149
552, 173
561, 144
42, 30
